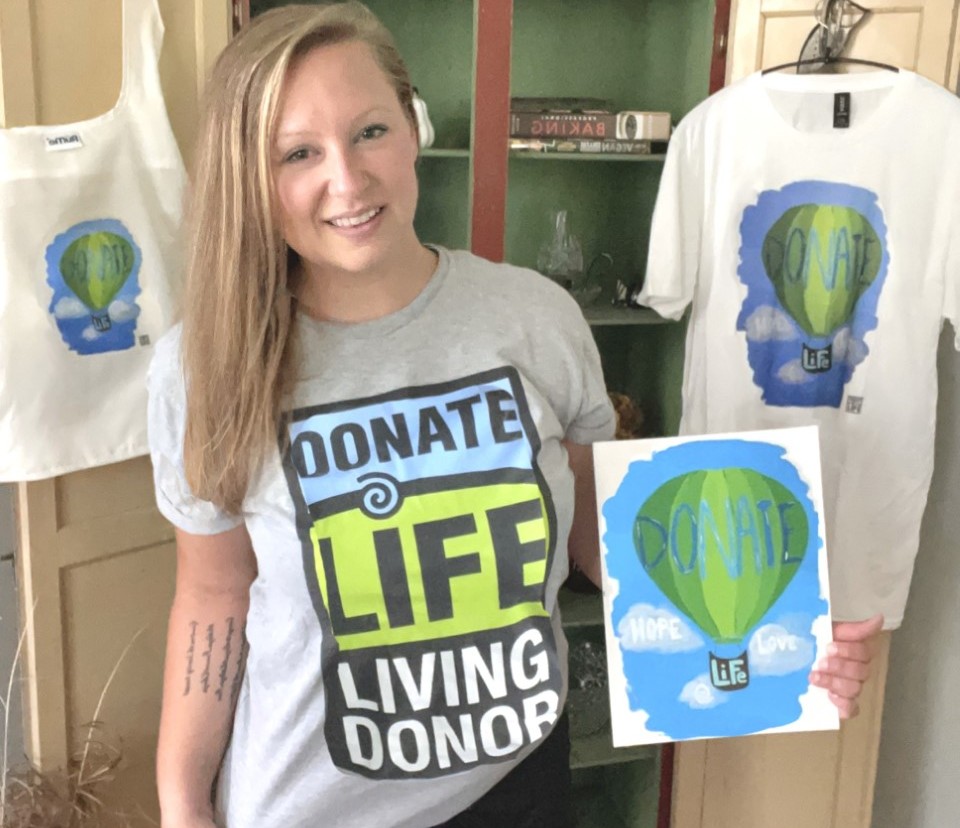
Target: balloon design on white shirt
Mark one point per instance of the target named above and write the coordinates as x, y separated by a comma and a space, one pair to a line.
821, 259
814, 258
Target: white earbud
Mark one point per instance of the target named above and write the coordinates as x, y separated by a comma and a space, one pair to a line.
424, 127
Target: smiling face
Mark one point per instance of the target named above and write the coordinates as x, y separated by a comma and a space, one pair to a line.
343, 165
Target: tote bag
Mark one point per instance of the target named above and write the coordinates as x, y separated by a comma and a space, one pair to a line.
89, 263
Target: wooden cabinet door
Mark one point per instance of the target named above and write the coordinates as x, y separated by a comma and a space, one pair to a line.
95, 559
914, 34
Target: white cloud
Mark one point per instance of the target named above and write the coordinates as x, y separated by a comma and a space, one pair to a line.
848, 348
767, 323
699, 694
840, 344
792, 373
90, 333
70, 308
775, 651
856, 352
122, 311
646, 628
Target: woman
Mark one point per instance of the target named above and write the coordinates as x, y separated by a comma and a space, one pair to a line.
370, 471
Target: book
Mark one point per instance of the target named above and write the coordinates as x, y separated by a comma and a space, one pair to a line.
588, 145
528, 104
627, 125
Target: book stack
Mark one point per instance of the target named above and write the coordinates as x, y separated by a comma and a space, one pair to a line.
585, 125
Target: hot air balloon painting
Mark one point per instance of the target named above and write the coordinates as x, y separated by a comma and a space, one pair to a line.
715, 584
814, 257
93, 269
722, 545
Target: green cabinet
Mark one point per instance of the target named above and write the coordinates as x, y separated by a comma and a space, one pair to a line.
638, 54
613, 788
436, 39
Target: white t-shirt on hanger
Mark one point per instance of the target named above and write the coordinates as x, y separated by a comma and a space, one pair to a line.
820, 263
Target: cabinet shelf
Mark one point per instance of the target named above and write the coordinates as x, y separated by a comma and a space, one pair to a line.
431, 152
597, 750
584, 156
600, 315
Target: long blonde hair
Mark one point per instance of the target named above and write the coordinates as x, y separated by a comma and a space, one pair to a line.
239, 309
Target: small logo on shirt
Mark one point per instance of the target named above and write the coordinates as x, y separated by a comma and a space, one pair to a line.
62, 143
854, 405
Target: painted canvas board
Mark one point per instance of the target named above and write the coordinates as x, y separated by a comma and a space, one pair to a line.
715, 588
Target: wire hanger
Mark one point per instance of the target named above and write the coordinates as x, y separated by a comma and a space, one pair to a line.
829, 37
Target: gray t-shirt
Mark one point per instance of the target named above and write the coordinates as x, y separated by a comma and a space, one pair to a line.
405, 649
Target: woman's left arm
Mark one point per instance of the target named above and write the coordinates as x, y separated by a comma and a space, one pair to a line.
584, 545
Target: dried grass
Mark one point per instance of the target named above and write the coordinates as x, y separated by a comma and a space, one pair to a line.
31, 798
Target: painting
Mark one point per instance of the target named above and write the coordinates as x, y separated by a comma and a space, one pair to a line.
716, 594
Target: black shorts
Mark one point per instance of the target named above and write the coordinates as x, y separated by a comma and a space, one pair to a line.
535, 794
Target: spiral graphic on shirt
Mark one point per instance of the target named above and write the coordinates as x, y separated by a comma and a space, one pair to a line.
381, 495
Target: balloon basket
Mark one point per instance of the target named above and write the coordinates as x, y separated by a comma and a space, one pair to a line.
101, 322
730, 673
817, 360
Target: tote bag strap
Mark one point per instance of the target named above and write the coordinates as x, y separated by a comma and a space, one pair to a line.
142, 39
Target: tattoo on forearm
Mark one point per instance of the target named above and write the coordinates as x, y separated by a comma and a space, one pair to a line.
207, 655
241, 667
233, 654
190, 651
225, 664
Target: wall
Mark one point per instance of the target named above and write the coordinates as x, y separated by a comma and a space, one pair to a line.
9, 626
919, 755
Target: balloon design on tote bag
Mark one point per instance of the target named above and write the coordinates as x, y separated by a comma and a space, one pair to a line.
93, 270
